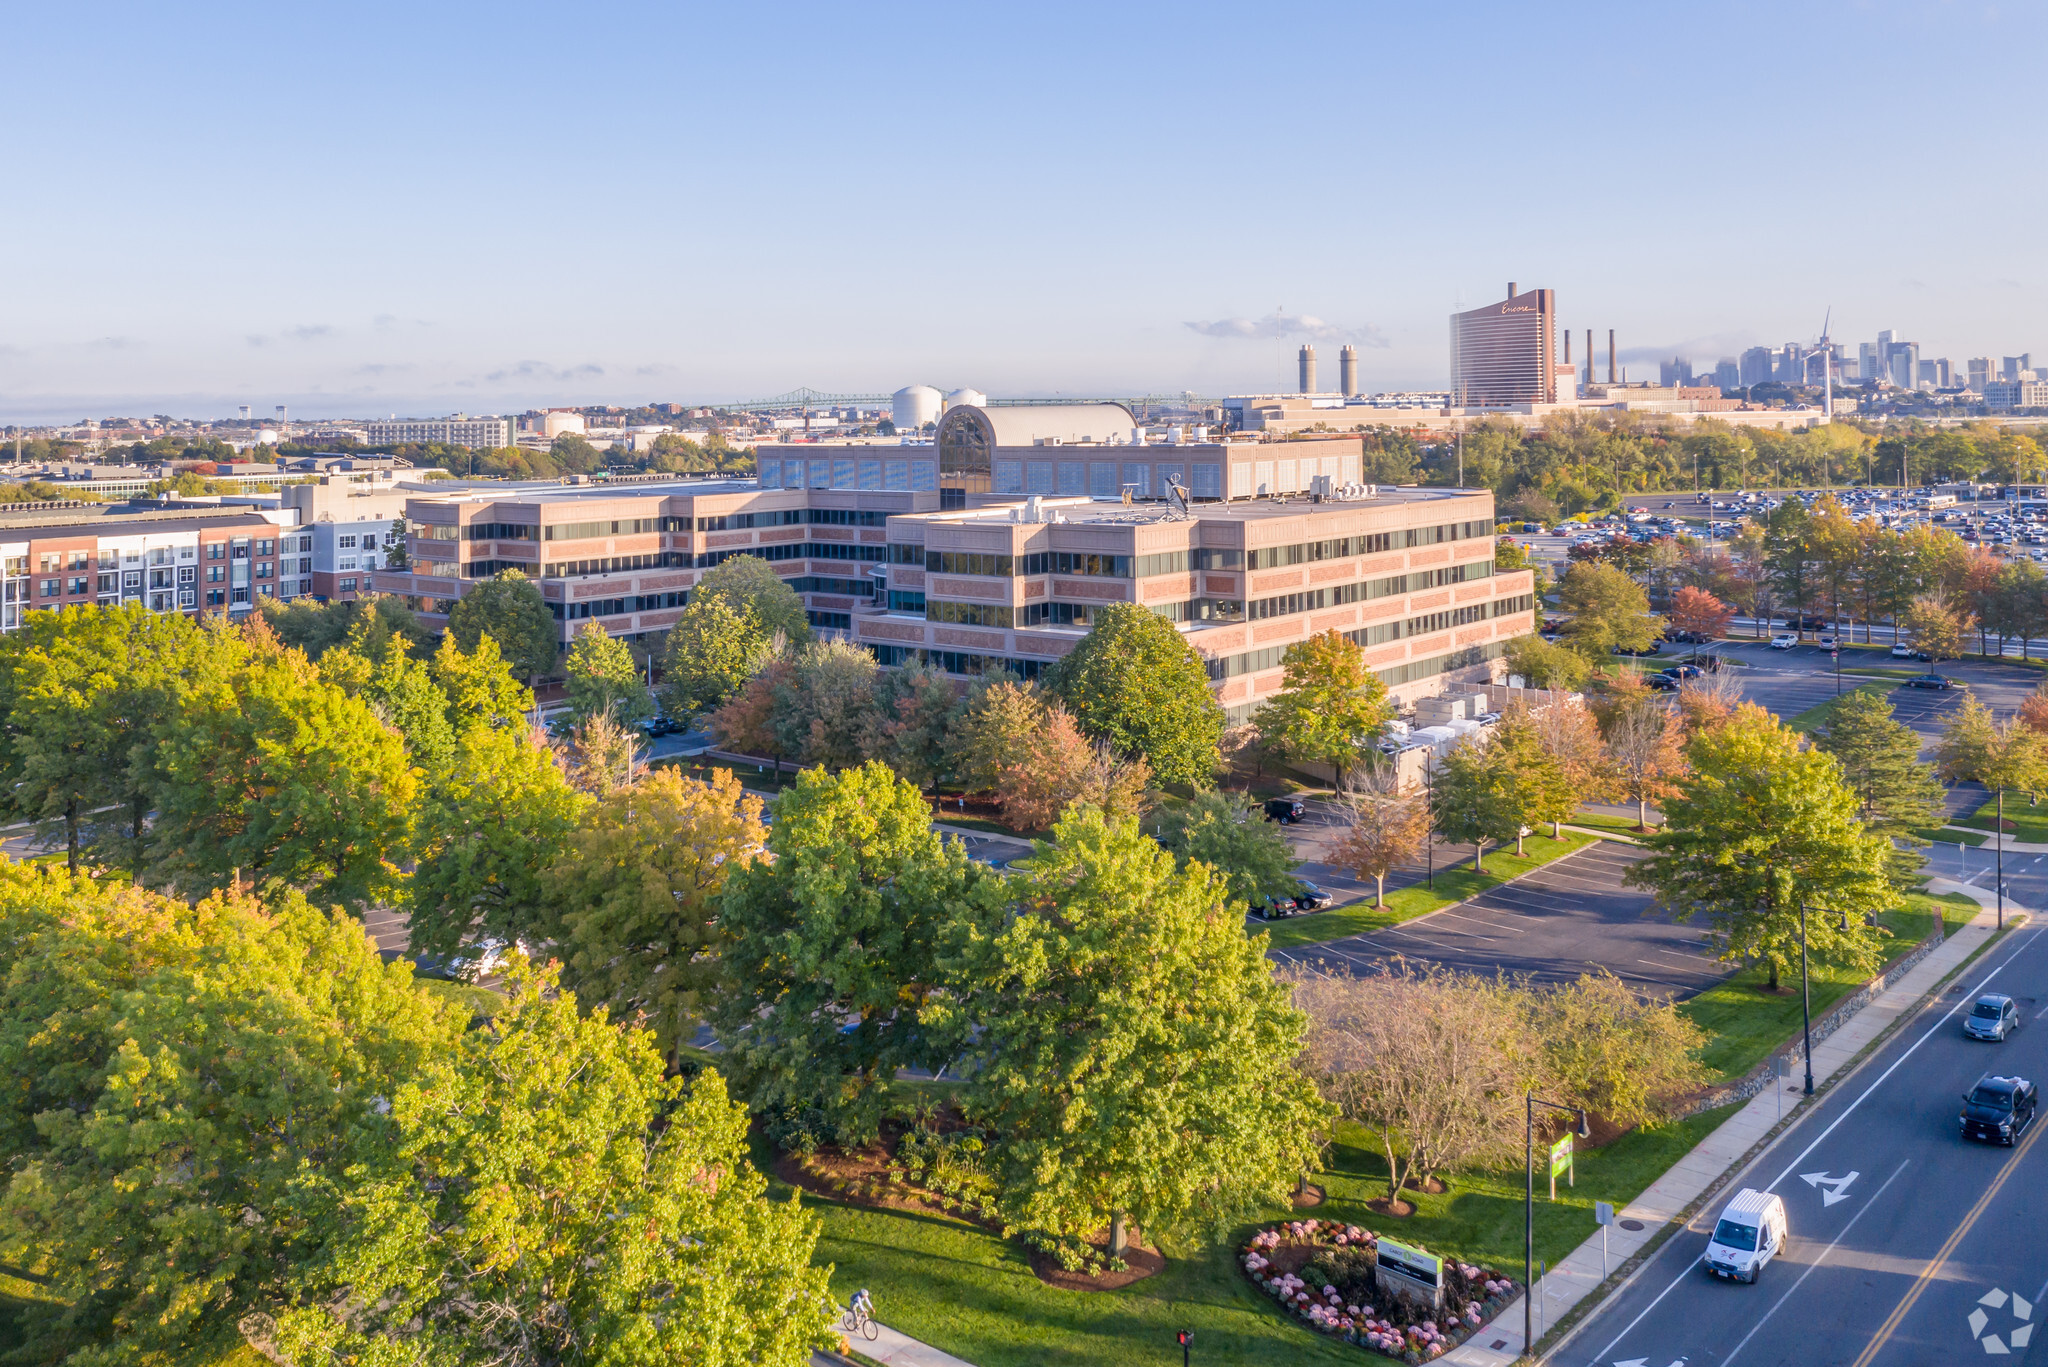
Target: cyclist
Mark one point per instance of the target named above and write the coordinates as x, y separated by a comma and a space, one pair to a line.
863, 1306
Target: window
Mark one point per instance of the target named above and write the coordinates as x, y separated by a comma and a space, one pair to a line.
1059, 614
578, 531
81, 559
50, 560
968, 614
216, 598
263, 569
482, 531
906, 553
241, 595
52, 587
216, 573
265, 547
111, 583
967, 562
1164, 562
216, 550
305, 543
346, 543
1071, 562
902, 601
79, 586
264, 590
1219, 560
347, 563
241, 551
344, 586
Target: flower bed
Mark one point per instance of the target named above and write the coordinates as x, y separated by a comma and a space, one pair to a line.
1321, 1271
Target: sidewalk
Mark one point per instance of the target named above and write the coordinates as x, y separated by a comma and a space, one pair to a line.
897, 1350
1579, 1274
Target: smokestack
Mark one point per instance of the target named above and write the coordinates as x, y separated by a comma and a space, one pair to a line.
1308, 368
1567, 346
1511, 289
1347, 371
1611, 372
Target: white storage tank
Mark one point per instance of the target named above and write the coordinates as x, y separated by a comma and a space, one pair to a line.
913, 406
973, 398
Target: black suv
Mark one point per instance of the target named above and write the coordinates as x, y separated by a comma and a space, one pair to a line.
1999, 1109
1284, 810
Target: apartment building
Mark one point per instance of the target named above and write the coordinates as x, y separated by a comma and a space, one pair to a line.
222, 562
352, 530
475, 433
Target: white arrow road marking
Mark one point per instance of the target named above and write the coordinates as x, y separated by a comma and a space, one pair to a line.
1837, 1187
1634, 1362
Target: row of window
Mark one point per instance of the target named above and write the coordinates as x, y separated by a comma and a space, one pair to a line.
1344, 547
968, 614
959, 662
1255, 661
842, 621
582, 531
818, 583
902, 600
786, 517
571, 569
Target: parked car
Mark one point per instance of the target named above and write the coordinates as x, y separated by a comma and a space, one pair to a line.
1751, 1231
1940, 682
1654, 648
1999, 1109
1311, 897
1682, 671
1825, 641
1784, 640
1274, 908
1660, 683
655, 727
1691, 638
1993, 1017
1284, 810
1902, 651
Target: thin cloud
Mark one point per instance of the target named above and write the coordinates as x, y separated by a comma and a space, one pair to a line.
1283, 325
307, 332
541, 370
384, 368
114, 344
1691, 349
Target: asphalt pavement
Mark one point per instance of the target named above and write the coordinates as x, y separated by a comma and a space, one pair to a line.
1552, 924
1909, 1245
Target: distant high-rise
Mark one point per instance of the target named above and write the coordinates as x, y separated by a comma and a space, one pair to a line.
2015, 364
1676, 371
1503, 354
1980, 372
1868, 367
1756, 365
1728, 375
1905, 364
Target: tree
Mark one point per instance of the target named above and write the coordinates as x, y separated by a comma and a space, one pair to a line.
909, 723
747, 721
1935, 628
479, 685
1615, 1053
267, 769
603, 678
1135, 682
1229, 832
712, 650
490, 827
2033, 710
601, 756
1135, 1061
1976, 748
1330, 707
747, 582
1431, 1064
1536, 784
1547, 665
838, 944
1761, 828
1568, 733
1472, 800
823, 703
209, 1073
636, 896
1896, 794
1701, 613
548, 1195
1380, 835
508, 608
1609, 611
1645, 751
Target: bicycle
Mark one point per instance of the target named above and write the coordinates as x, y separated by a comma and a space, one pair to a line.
857, 1320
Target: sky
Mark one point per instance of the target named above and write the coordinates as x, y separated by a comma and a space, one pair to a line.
414, 209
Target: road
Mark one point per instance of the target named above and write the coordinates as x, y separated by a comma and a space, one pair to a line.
1900, 1230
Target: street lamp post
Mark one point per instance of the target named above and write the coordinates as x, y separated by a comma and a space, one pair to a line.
1529, 1211
1805, 999
1429, 836
1998, 848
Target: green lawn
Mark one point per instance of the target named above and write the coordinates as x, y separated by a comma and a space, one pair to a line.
1607, 821
2028, 823
1457, 885
972, 1294
1814, 716
1744, 1023
1944, 836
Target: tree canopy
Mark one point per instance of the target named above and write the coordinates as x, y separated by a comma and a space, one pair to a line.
603, 678
749, 583
1330, 707
508, 608
1135, 682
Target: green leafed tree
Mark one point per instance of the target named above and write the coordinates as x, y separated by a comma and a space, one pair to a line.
1880, 757
1230, 833
1330, 707
209, 1076
1760, 827
1545, 664
491, 825
822, 705
509, 609
1608, 611
838, 945
268, 769
749, 582
549, 1195
1135, 682
911, 719
603, 678
1136, 1056
711, 652
479, 686
636, 897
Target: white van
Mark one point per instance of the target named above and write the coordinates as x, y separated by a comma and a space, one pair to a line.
1750, 1232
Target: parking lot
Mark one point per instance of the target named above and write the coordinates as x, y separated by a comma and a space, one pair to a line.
1553, 924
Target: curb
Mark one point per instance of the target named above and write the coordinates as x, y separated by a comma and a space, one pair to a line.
1576, 1319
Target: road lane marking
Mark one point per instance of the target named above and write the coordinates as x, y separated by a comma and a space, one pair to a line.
1836, 1188
1804, 1153
1891, 1323
1814, 1264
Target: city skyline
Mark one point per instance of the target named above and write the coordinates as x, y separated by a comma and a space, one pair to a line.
687, 206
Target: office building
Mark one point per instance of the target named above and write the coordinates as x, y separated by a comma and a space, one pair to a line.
1728, 374
1980, 372
209, 561
475, 433
352, 531
918, 566
1868, 366
1675, 372
1904, 360
1757, 365
2006, 395
1503, 354
2016, 367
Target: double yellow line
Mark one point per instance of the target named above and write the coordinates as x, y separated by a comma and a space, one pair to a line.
1891, 1323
